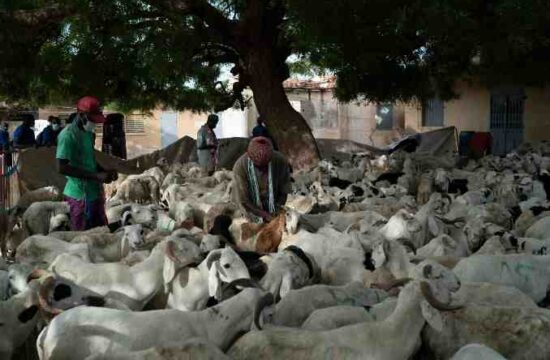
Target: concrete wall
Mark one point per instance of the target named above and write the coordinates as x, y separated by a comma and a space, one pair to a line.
472, 110
330, 119
536, 118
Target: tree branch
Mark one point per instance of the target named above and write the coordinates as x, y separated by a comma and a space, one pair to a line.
40, 17
200, 8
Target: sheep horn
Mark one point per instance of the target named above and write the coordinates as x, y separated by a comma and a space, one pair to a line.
43, 295
264, 301
431, 299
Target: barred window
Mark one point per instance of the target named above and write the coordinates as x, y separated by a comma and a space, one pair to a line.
384, 116
433, 112
135, 123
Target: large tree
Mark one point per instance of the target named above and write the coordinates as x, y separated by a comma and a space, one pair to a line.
141, 53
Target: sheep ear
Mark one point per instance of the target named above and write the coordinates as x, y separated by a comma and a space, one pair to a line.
127, 218
432, 316
168, 273
286, 285
214, 255
433, 226
386, 247
214, 282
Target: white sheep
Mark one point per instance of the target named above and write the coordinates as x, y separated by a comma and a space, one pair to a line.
395, 338
335, 317
45, 217
299, 304
528, 273
39, 249
18, 317
196, 348
476, 352
48, 193
134, 285
289, 269
67, 337
191, 287
112, 247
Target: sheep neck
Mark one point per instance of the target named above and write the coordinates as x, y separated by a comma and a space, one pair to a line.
402, 327
148, 274
226, 320
398, 264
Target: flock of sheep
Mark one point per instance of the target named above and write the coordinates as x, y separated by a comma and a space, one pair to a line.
392, 257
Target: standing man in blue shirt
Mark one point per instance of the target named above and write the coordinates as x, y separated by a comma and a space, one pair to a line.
24, 134
48, 136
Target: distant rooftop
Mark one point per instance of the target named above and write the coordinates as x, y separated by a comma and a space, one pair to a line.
319, 83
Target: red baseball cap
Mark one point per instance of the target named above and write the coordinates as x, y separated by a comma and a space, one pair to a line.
90, 105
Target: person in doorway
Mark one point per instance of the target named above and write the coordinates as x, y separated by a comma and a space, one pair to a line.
207, 145
23, 136
261, 180
261, 130
4, 137
48, 136
76, 160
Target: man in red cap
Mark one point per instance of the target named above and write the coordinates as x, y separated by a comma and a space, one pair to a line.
76, 160
261, 180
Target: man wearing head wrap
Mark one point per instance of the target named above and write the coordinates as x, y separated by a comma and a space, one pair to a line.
207, 145
261, 180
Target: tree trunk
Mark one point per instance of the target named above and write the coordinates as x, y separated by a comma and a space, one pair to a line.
288, 127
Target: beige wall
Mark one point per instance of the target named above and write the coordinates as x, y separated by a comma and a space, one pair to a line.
471, 112
537, 114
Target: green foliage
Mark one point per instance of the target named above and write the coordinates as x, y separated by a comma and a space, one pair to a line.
141, 53
118, 51
400, 49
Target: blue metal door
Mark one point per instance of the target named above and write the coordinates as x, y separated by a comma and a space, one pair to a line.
168, 128
507, 106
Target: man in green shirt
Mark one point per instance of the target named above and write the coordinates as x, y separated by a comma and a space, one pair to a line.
76, 160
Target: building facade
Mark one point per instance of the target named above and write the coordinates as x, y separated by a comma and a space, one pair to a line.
512, 114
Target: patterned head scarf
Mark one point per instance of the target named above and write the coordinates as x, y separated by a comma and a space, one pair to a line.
260, 151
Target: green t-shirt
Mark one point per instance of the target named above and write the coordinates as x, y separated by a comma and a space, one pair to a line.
77, 146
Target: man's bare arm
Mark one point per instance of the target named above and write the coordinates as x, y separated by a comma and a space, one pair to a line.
64, 168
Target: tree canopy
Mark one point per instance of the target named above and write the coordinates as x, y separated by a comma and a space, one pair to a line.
402, 49
139, 53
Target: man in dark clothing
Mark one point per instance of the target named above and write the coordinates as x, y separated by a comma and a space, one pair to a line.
48, 136
4, 137
24, 134
261, 130
114, 138
261, 180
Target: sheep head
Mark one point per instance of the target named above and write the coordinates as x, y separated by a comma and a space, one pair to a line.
179, 253
59, 222
224, 266
133, 236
